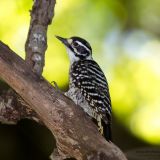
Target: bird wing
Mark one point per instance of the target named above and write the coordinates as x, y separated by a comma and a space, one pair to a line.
90, 79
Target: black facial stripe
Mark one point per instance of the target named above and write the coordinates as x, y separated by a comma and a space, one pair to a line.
84, 42
82, 56
80, 51
83, 50
80, 44
70, 47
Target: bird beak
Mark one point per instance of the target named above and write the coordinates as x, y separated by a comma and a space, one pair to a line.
63, 40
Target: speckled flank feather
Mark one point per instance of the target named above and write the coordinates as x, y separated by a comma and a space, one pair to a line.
89, 78
89, 89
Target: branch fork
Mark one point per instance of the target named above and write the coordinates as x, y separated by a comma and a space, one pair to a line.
75, 134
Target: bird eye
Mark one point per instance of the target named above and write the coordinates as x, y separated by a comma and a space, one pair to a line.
75, 44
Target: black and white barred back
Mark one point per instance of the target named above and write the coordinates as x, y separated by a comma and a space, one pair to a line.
88, 85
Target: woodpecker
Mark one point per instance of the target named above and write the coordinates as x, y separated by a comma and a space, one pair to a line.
88, 86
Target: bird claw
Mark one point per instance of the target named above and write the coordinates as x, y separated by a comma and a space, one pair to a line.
55, 86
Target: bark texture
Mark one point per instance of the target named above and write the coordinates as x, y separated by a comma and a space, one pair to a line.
75, 134
36, 44
13, 107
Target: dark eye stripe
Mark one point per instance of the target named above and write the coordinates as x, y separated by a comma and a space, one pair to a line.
83, 45
80, 47
80, 51
75, 44
83, 41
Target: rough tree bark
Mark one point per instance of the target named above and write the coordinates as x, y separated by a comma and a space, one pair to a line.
75, 134
12, 106
36, 44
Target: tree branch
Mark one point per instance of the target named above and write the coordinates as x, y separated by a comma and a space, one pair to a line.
75, 134
36, 44
65, 120
13, 108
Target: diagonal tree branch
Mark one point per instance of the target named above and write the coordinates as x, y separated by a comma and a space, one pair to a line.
58, 113
13, 108
75, 134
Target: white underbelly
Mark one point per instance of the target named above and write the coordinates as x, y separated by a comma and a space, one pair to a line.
77, 97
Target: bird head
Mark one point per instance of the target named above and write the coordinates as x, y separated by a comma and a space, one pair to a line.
77, 48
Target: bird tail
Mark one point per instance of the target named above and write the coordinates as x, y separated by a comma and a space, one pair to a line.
107, 133
104, 128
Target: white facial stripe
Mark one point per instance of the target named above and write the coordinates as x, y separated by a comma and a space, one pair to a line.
83, 46
69, 41
75, 50
72, 56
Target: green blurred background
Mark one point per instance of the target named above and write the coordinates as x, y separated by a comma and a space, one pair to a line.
124, 35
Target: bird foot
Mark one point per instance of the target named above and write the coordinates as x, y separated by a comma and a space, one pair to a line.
55, 86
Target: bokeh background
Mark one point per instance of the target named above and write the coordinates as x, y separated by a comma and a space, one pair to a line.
125, 38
